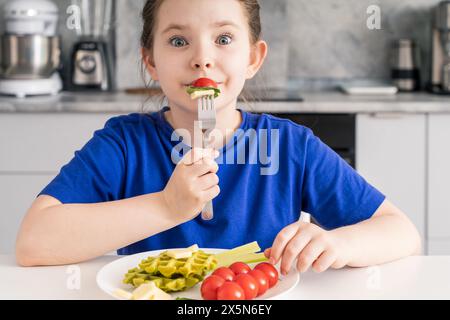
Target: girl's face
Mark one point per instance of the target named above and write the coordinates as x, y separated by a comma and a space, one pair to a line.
201, 38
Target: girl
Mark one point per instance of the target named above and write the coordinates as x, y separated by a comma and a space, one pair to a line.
122, 189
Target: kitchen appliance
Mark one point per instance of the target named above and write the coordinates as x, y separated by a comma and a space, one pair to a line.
92, 62
338, 131
368, 87
405, 65
30, 49
440, 64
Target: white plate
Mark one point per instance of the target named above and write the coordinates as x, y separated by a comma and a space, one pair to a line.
110, 277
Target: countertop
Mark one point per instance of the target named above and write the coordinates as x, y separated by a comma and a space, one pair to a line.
418, 277
314, 102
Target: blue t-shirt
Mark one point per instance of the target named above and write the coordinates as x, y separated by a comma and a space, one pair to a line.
260, 195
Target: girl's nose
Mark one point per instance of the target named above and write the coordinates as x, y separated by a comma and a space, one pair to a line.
202, 60
202, 65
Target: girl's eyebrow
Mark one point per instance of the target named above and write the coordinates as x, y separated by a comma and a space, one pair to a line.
174, 26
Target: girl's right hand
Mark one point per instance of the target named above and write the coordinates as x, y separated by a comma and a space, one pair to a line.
193, 183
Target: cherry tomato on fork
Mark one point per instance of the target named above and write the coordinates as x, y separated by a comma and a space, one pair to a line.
204, 82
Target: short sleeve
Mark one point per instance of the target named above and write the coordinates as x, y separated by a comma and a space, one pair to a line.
96, 172
333, 192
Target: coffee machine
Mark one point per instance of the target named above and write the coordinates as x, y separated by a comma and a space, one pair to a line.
440, 64
29, 49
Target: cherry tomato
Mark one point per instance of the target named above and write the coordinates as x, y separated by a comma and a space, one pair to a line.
248, 284
239, 267
270, 271
204, 82
261, 278
230, 290
224, 273
209, 287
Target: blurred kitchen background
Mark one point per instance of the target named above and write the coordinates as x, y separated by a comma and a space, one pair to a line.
313, 45
375, 90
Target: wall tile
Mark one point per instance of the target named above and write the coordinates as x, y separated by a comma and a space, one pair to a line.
312, 44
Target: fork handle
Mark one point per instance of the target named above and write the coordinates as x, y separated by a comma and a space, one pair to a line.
207, 212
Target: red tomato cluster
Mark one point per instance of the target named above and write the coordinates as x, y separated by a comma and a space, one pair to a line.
239, 282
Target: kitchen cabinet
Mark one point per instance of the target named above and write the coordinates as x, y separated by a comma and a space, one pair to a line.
17, 193
44, 142
34, 146
438, 184
391, 155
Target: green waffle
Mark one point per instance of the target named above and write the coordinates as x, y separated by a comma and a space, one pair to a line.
170, 274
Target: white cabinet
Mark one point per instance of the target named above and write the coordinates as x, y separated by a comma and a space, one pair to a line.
33, 148
17, 192
44, 141
391, 155
439, 184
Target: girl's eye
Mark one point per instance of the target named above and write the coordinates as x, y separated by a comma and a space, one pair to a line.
225, 39
177, 42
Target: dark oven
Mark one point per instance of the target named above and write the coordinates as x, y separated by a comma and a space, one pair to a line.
336, 130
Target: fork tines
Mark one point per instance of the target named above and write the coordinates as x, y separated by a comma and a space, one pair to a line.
206, 113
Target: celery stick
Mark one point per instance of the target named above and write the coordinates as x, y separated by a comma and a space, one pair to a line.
257, 257
246, 258
251, 247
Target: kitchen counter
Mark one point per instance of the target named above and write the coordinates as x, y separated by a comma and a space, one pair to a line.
320, 102
419, 277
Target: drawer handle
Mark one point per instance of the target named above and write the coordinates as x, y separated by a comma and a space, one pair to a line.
387, 115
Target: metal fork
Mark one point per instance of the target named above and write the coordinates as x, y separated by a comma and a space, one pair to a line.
206, 122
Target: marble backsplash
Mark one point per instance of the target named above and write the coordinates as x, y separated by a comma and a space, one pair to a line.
312, 44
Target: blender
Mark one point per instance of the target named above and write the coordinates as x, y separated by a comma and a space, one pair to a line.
92, 66
30, 49
440, 69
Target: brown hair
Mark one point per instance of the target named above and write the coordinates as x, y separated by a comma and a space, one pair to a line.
149, 18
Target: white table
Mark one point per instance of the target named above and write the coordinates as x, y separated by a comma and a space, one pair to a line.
421, 277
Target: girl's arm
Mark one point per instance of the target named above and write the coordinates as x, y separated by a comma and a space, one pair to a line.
388, 235
68, 233
53, 233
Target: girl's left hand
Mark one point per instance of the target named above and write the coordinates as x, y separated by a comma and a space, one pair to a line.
310, 245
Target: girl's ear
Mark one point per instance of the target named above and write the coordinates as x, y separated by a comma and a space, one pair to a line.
257, 56
149, 63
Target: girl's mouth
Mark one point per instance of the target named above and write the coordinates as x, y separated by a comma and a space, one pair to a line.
189, 84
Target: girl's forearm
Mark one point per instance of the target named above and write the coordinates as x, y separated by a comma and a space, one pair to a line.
379, 240
70, 233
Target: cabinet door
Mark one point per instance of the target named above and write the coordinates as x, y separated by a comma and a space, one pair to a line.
390, 154
44, 142
439, 247
438, 182
17, 192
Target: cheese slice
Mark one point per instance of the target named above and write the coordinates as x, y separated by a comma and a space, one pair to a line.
149, 291
122, 294
144, 291
160, 294
179, 253
193, 248
201, 93
182, 253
